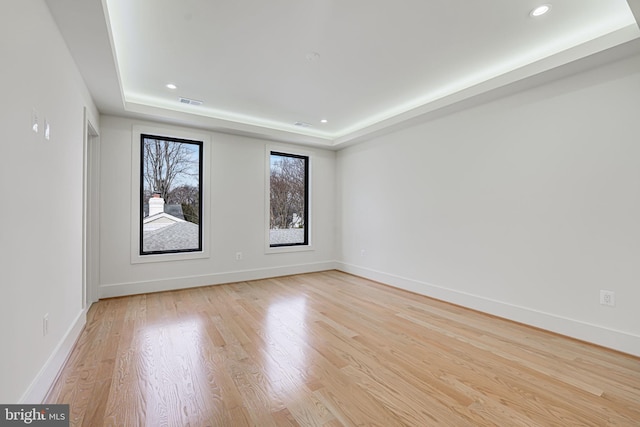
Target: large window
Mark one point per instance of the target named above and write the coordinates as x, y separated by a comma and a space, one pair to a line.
170, 195
288, 199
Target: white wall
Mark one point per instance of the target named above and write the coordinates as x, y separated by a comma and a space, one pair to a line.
524, 207
237, 194
41, 192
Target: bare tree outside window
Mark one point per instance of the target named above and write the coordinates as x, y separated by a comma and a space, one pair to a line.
288, 198
170, 193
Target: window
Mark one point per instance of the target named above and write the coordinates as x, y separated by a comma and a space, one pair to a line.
170, 195
288, 199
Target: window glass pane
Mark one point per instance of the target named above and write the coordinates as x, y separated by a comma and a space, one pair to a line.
170, 193
288, 224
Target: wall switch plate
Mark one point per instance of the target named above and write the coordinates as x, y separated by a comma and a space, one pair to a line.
34, 120
607, 298
238, 256
45, 325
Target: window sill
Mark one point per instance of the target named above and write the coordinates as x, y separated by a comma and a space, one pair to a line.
288, 249
143, 259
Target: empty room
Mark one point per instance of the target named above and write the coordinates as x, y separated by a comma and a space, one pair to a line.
320, 213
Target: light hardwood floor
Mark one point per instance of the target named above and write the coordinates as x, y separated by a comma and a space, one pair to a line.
331, 349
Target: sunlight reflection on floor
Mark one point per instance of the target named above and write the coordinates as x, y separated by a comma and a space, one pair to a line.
286, 329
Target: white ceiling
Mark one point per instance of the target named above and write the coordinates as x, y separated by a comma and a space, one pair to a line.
363, 65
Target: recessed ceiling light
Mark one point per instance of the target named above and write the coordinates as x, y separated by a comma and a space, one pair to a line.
171, 86
324, 121
540, 10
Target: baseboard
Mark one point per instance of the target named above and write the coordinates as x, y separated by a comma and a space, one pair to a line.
599, 335
147, 286
37, 391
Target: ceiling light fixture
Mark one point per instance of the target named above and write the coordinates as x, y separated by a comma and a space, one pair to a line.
172, 86
540, 10
324, 121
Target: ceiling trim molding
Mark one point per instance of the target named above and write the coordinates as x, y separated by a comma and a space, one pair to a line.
569, 59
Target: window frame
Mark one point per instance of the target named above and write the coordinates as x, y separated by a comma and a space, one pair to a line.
200, 145
137, 190
293, 247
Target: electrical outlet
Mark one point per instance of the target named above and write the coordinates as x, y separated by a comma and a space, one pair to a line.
238, 256
45, 325
607, 298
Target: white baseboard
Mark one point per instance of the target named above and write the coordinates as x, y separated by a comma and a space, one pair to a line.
37, 391
610, 338
147, 286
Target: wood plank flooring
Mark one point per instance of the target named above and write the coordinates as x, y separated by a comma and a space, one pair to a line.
331, 349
